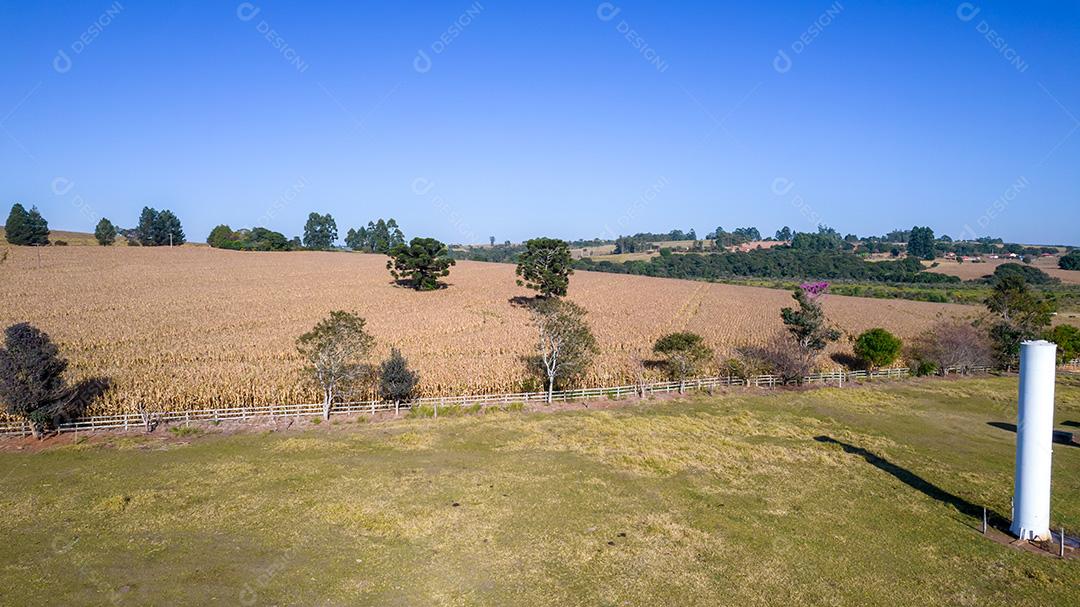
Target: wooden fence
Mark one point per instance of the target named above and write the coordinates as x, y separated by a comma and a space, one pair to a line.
126, 421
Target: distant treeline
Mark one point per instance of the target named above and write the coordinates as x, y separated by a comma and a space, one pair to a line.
773, 263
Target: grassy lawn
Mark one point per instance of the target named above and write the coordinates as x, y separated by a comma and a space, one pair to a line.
860, 496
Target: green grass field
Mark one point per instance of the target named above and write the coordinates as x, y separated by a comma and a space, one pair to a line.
860, 496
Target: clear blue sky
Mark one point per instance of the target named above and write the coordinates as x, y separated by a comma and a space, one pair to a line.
570, 119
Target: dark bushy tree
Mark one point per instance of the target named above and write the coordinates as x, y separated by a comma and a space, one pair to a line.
397, 382
1070, 261
920, 243
32, 384
105, 232
877, 347
220, 236
26, 228
685, 353
783, 234
159, 228
320, 232
545, 266
422, 262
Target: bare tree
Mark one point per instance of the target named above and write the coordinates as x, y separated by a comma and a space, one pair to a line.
566, 345
952, 343
335, 351
782, 355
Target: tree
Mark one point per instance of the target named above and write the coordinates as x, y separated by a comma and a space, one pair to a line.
877, 347
808, 324
1067, 338
781, 355
397, 382
950, 344
422, 262
1070, 261
1021, 315
685, 352
26, 228
545, 266
32, 382
159, 228
146, 233
168, 229
320, 232
335, 351
105, 232
566, 345
920, 243
220, 237
783, 234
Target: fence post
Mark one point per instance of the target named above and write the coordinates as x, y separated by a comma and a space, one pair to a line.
396, 408
436, 405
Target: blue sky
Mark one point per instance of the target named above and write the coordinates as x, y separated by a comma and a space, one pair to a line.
570, 119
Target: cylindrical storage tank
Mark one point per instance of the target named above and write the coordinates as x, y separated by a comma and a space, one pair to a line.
1034, 440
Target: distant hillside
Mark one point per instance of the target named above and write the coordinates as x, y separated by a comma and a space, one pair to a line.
72, 238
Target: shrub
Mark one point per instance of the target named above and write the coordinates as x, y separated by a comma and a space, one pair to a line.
877, 347
60, 243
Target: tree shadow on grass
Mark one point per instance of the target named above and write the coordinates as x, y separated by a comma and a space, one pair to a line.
918, 483
1071, 423
1060, 438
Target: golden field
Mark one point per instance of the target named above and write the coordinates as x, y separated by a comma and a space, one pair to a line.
192, 327
974, 271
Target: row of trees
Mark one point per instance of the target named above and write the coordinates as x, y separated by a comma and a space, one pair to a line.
336, 350
29, 228
378, 237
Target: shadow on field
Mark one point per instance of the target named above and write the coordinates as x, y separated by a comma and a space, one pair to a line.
1060, 438
1071, 423
917, 482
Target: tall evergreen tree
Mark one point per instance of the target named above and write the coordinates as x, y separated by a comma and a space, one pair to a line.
105, 232
26, 228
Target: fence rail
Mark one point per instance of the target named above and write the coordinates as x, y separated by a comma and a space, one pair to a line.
126, 421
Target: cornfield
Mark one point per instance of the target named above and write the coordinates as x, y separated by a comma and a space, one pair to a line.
192, 327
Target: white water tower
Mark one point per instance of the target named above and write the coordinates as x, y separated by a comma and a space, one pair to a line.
1034, 441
